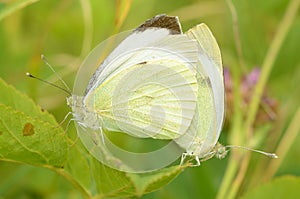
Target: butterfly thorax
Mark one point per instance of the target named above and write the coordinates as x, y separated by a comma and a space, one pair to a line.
82, 115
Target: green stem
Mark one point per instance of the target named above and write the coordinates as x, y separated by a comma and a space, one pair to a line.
9, 8
285, 144
235, 135
237, 38
239, 177
228, 178
88, 27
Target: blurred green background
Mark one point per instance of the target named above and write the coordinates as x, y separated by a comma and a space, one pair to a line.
65, 32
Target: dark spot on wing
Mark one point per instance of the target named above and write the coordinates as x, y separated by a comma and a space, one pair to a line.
162, 21
1, 132
28, 129
208, 81
205, 82
142, 63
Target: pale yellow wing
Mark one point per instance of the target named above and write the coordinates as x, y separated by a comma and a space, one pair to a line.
207, 124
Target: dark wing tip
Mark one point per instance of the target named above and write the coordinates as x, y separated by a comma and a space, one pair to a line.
162, 21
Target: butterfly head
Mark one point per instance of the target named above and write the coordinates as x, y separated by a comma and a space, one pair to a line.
83, 116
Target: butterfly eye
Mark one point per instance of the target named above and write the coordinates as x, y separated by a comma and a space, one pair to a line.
221, 151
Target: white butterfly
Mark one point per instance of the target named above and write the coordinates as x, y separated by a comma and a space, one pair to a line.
159, 66
158, 83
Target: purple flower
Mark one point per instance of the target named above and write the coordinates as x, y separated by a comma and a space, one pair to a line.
227, 79
268, 106
249, 81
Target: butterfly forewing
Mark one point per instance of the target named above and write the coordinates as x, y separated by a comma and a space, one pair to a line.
152, 99
151, 31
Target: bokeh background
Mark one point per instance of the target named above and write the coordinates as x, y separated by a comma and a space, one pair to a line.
247, 31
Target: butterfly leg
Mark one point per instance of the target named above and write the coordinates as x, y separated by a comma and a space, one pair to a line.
68, 125
102, 135
101, 130
80, 126
183, 156
65, 118
197, 161
60, 124
74, 142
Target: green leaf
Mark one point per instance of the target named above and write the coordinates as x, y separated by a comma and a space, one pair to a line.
98, 180
27, 134
8, 8
281, 187
101, 181
111, 178
148, 182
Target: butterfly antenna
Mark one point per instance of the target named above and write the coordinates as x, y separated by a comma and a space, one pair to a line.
47, 63
49, 83
271, 155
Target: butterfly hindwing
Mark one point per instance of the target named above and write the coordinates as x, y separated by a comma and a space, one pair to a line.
206, 127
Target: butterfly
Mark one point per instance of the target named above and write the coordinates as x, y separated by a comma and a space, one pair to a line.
157, 83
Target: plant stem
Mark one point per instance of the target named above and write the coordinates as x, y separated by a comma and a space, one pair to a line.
228, 177
235, 135
237, 38
239, 178
122, 11
15, 6
88, 27
285, 144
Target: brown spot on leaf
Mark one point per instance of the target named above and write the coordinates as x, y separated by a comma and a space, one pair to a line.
28, 129
1, 132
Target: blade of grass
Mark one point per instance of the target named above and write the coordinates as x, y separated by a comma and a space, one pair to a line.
235, 135
284, 146
237, 38
13, 7
121, 13
122, 10
88, 27
198, 10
